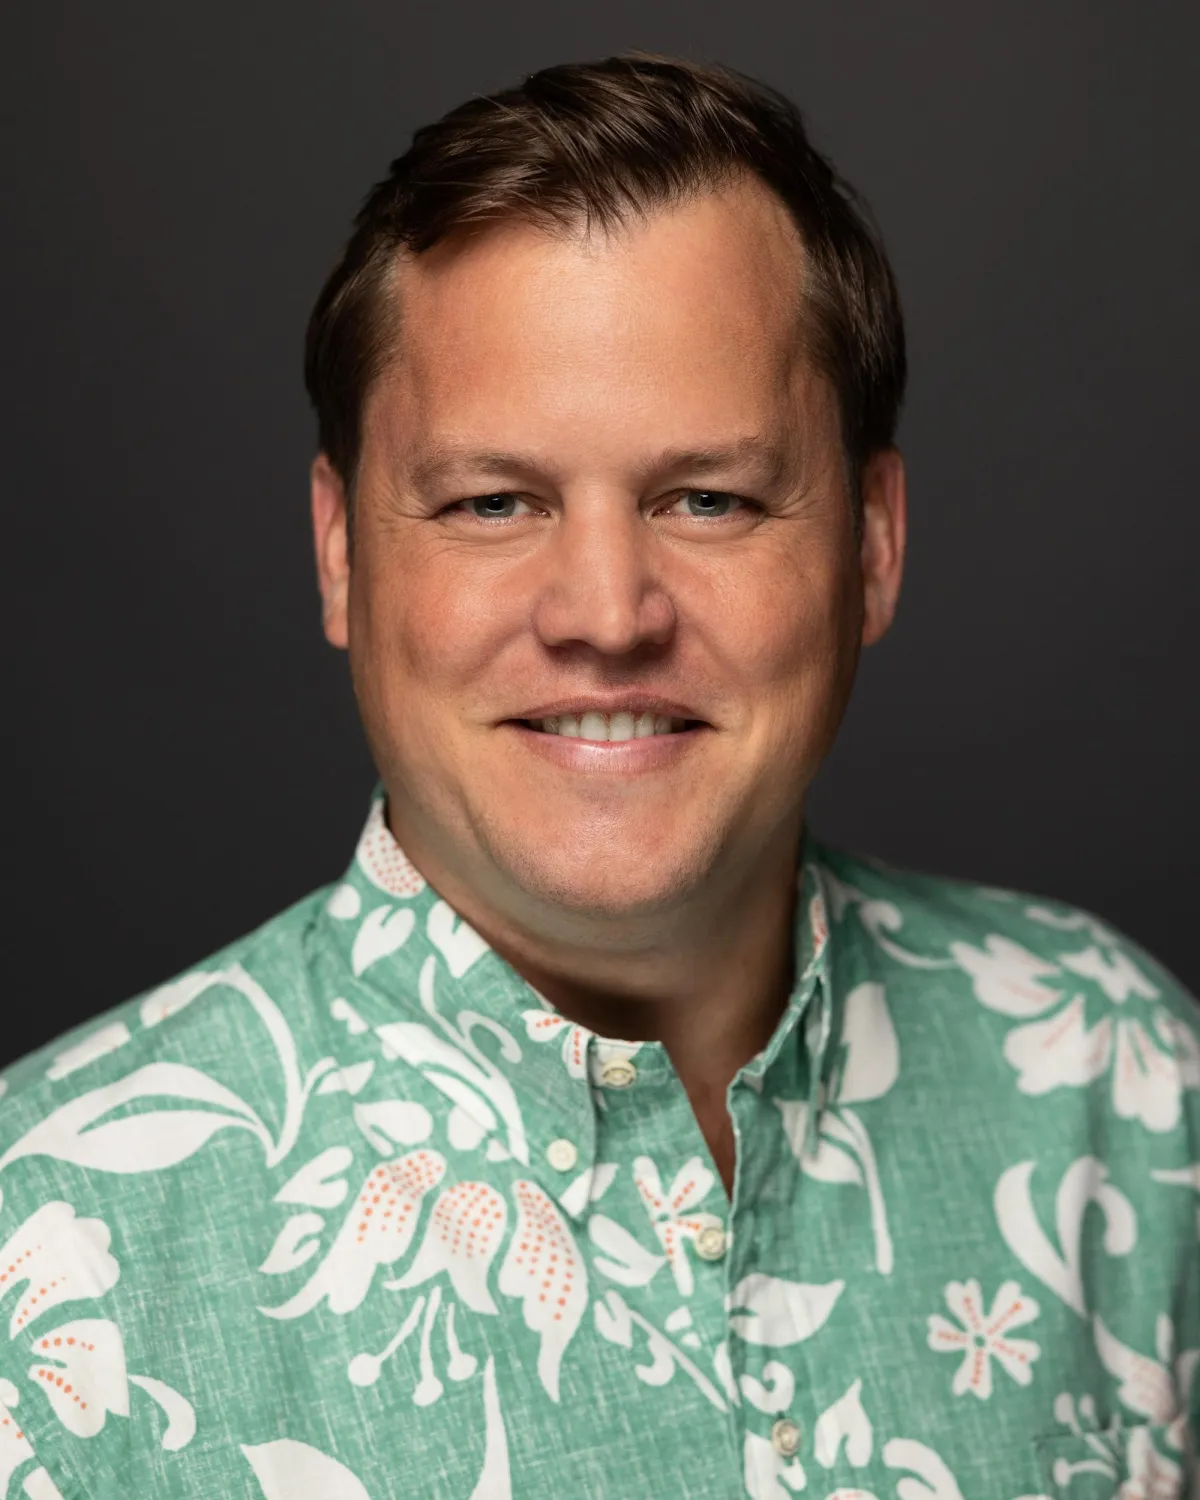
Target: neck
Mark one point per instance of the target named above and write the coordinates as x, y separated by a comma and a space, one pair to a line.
709, 982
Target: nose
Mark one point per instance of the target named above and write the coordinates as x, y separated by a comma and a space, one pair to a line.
601, 586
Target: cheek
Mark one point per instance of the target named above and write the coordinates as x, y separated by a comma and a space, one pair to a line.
789, 630
426, 630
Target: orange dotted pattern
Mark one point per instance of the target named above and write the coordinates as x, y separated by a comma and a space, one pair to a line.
384, 862
56, 1377
576, 1048
543, 1251
392, 1194
469, 1220
7, 1421
14, 1271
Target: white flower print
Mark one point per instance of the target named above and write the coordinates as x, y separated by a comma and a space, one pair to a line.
376, 1232
1153, 1055
80, 1366
83, 1374
1115, 1451
59, 1258
1156, 1388
462, 1237
1150, 1475
982, 1337
673, 1212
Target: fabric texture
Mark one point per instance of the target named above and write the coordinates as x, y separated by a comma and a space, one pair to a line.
348, 1212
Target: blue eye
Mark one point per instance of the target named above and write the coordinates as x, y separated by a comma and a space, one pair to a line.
492, 507
710, 503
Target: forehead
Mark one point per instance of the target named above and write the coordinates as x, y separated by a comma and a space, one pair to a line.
691, 317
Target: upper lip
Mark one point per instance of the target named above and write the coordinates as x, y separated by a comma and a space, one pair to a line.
630, 702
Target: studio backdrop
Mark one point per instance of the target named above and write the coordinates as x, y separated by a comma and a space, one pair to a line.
184, 755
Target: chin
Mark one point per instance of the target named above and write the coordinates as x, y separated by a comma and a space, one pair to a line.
602, 877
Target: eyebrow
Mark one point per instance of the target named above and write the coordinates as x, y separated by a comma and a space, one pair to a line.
446, 460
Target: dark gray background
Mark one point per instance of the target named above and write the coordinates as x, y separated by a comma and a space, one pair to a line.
186, 758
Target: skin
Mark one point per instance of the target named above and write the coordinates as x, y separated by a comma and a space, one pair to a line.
652, 901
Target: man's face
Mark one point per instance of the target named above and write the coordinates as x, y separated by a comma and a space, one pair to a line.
603, 477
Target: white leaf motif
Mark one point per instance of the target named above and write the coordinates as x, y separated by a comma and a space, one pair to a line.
344, 903
389, 1123
779, 1312
936, 1482
844, 1420
873, 1053
99, 1044
383, 931
137, 1143
495, 1482
829, 1162
319, 1183
774, 1392
294, 1244
180, 1415
286, 1469
1085, 1181
613, 1321
623, 1259
766, 1475
351, 1079
459, 944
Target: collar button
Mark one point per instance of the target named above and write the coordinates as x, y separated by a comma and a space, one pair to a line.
618, 1073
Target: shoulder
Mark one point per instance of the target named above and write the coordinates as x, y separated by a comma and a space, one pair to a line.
1035, 989
1014, 943
208, 1008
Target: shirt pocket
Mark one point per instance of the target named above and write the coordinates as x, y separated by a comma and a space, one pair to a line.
1142, 1461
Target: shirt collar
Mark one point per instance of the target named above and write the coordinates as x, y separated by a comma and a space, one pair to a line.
438, 997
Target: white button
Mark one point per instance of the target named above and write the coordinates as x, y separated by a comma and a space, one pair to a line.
562, 1155
710, 1242
785, 1438
618, 1073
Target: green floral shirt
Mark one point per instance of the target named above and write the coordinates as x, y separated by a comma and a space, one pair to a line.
348, 1212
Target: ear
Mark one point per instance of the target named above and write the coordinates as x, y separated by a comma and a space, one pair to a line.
884, 531
331, 543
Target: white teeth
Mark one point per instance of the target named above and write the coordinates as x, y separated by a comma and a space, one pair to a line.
611, 727
593, 726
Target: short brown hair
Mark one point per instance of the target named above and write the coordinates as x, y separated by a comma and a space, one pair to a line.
599, 143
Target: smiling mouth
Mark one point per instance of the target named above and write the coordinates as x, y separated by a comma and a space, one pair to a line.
610, 728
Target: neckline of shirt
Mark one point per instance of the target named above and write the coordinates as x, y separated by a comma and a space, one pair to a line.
409, 960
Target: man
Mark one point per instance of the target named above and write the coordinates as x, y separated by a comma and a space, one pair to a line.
600, 1132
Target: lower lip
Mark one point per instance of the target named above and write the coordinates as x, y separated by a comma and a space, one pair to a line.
654, 752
